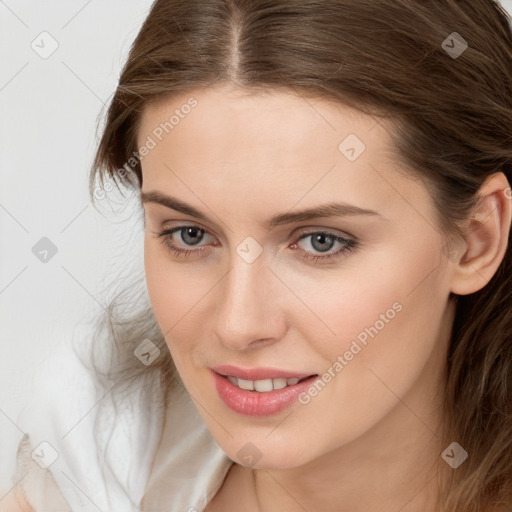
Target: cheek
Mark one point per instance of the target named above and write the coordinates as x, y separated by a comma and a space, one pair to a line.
171, 287
176, 293
387, 289
384, 315
364, 291
386, 322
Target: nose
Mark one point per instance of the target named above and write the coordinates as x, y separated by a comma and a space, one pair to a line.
248, 312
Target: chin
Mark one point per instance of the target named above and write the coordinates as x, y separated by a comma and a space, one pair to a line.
254, 454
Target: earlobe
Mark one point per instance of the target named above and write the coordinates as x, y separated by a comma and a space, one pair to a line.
486, 237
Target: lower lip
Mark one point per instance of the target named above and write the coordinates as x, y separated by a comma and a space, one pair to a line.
254, 403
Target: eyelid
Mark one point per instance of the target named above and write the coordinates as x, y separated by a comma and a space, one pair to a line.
169, 232
310, 229
349, 243
178, 227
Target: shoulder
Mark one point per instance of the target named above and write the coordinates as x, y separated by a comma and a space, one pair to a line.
57, 443
89, 442
35, 488
15, 503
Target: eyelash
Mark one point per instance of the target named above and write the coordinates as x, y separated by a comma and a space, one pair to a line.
350, 245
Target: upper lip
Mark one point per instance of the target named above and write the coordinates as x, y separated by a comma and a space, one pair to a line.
258, 373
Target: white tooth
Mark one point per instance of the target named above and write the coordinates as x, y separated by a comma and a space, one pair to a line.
279, 383
234, 380
263, 385
246, 384
293, 381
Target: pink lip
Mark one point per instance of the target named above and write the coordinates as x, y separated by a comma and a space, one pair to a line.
254, 403
258, 373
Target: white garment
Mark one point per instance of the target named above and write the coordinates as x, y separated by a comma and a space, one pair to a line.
61, 412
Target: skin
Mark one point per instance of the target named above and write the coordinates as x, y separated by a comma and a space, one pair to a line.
15, 502
368, 439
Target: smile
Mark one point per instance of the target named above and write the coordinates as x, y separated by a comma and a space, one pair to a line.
265, 385
263, 396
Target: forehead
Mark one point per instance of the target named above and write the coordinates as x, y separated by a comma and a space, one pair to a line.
276, 145
282, 117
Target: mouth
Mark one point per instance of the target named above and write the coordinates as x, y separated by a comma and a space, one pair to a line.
260, 396
264, 385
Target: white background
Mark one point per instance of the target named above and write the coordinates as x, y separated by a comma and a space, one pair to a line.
49, 111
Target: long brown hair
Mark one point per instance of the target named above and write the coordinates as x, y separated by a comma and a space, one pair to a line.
402, 60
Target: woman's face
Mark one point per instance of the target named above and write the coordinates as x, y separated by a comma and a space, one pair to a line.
370, 316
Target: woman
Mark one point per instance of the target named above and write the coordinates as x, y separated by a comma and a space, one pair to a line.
369, 374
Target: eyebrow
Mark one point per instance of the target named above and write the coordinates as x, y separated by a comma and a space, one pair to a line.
324, 210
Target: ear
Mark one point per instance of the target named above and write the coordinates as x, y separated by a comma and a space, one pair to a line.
486, 237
